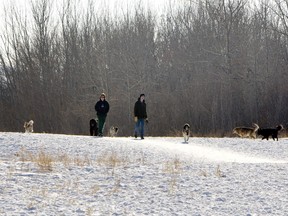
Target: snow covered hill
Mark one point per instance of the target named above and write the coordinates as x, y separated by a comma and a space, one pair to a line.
50, 174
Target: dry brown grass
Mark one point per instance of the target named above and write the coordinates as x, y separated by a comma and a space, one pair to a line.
65, 159
41, 158
45, 160
111, 159
82, 161
219, 173
203, 173
172, 167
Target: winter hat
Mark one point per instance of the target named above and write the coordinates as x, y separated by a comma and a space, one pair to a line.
102, 94
142, 95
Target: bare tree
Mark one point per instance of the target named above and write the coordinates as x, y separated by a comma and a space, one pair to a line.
212, 64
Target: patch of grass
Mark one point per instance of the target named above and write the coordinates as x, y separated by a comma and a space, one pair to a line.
41, 158
44, 161
24, 155
203, 173
219, 173
111, 160
174, 169
65, 159
82, 161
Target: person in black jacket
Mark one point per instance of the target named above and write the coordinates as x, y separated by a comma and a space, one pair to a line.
140, 116
102, 108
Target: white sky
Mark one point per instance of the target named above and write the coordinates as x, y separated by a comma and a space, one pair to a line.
158, 6
119, 6
115, 6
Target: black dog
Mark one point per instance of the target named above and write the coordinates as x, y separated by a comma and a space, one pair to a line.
93, 127
266, 132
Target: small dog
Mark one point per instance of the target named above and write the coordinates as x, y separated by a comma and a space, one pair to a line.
29, 126
266, 132
93, 127
186, 132
246, 131
113, 131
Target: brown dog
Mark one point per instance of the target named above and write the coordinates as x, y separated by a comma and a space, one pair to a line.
246, 131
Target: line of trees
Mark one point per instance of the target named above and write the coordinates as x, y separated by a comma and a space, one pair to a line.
213, 64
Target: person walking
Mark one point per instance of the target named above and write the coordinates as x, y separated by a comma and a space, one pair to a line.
140, 116
102, 108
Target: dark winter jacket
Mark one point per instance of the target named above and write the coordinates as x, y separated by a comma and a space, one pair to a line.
140, 109
102, 107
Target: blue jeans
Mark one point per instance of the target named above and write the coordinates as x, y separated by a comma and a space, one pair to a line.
139, 127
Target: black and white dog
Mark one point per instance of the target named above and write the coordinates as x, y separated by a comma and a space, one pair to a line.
93, 127
29, 126
113, 131
266, 132
186, 132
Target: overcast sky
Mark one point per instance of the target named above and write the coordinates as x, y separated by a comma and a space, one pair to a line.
114, 6
120, 6
156, 5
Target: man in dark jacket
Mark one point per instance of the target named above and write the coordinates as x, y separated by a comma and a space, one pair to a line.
102, 108
140, 116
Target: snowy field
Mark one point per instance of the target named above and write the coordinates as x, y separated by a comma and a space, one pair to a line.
49, 174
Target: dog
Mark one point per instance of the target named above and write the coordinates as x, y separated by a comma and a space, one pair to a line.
246, 131
29, 126
266, 132
93, 127
186, 132
113, 131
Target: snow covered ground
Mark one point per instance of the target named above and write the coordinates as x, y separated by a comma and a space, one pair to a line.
49, 174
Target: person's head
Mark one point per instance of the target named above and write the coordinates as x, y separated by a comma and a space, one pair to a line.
102, 96
142, 97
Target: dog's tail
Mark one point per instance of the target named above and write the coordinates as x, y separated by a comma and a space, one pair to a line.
280, 127
256, 127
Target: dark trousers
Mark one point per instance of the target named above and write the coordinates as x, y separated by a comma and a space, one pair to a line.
101, 123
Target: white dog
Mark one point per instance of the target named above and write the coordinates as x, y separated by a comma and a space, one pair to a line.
186, 132
113, 131
29, 126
